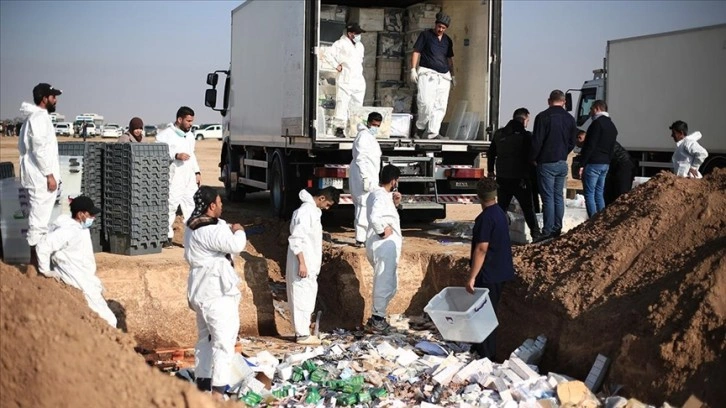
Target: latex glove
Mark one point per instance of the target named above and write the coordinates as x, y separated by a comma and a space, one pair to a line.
453, 81
414, 76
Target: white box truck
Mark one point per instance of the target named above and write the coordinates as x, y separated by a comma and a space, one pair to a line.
273, 109
651, 81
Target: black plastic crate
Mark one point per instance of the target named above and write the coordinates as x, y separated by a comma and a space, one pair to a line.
125, 245
71, 148
7, 170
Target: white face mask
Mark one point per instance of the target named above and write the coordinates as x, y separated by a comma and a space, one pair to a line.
88, 222
374, 130
356, 38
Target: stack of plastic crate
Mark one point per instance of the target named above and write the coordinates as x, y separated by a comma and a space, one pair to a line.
90, 156
136, 194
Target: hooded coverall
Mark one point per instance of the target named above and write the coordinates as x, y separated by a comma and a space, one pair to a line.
306, 237
383, 253
350, 84
68, 245
182, 173
213, 295
688, 154
364, 171
38, 149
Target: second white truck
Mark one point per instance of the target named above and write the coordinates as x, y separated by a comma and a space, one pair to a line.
651, 81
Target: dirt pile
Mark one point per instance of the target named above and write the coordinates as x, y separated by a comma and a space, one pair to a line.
644, 283
56, 352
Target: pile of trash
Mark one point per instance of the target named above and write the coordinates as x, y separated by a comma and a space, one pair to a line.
404, 369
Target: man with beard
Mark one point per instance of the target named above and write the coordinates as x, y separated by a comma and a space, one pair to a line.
39, 164
184, 174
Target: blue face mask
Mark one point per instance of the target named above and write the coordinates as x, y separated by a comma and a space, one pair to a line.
88, 222
373, 130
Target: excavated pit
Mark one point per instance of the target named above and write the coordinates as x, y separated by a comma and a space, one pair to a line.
644, 283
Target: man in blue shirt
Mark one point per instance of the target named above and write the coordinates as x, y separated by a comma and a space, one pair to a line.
433, 53
491, 255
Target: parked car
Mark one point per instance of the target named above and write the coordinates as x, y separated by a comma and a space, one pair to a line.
111, 130
209, 132
150, 130
64, 129
91, 130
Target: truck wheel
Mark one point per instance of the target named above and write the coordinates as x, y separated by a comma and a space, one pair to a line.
716, 162
240, 193
283, 195
199, 137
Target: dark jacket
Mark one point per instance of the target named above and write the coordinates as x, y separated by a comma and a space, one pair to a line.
599, 142
554, 135
510, 151
621, 159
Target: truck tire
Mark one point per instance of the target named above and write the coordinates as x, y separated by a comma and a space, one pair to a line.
199, 136
283, 194
715, 162
240, 193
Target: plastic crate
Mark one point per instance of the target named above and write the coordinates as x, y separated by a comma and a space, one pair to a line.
124, 245
461, 316
71, 148
7, 170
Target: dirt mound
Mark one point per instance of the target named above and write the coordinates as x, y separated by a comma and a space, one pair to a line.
56, 352
644, 283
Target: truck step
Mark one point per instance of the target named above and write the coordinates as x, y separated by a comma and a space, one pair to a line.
422, 206
416, 179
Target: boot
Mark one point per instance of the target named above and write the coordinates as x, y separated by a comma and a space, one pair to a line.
204, 384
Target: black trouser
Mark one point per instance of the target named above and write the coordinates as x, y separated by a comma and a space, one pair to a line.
488, 348
521, 189
618, 182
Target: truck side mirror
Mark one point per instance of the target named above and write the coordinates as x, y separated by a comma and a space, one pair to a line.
210, 98
212, 79
568, 102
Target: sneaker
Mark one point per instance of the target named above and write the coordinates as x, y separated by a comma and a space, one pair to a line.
418, 133
439, 137
542, 238
308, 340
377, 325
359, 244
339, 132
168, 244
535, 235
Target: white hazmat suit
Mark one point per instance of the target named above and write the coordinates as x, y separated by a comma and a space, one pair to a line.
306, 237
213, 295
688, 154
350, 84
68, 246
432, 100
383, 253
182, 173
38, 149
363, 179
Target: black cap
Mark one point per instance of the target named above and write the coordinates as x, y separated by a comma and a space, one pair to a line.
83, 203
443, 18
354, 28
42, 90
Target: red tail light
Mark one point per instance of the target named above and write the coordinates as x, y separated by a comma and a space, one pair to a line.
330, 172
464, 173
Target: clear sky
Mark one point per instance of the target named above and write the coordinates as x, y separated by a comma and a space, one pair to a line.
123, 58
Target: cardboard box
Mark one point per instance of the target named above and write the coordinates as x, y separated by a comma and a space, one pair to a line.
389, 69
370, 45
333, 12
393, 19
369, 19
390, 45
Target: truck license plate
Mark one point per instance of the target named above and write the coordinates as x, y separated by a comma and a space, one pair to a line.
331, 182
464, 184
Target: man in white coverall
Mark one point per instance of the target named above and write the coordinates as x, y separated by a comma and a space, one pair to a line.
39, 164
689, 154
433, 53
364, 171
184, 173
383, 246
209, 245
304, 257
69, 248
346, 55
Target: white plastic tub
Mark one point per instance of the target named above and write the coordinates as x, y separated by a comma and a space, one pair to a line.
461, 316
